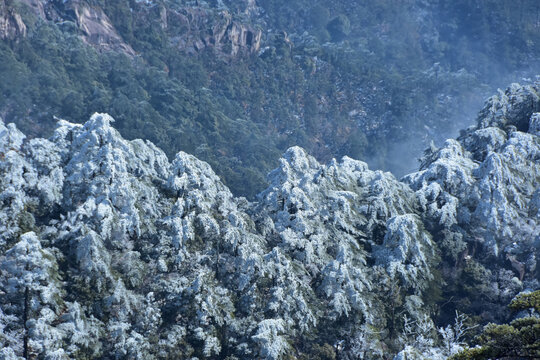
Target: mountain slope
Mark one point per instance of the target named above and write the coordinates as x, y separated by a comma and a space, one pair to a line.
108, 249
236, 83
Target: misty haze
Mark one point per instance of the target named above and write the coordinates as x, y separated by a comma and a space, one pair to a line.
269, 179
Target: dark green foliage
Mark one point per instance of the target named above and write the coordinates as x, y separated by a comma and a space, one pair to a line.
518, 340
27, 222
319, 18
323, 352
526, 301
339, 27
333, 99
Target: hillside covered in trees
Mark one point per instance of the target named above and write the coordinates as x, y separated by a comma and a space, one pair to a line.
268, 179
238, 82
110, 250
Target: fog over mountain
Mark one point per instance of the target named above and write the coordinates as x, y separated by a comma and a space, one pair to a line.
267, 179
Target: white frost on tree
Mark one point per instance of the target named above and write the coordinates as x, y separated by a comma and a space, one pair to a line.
29, 280
408, 253
270, 339
161, 260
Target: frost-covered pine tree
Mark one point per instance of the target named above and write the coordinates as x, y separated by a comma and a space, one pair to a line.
32, 295
478, 195
159, 260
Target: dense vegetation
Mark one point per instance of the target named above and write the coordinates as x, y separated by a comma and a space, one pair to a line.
110, 250
111, 247
519, 339
362, 78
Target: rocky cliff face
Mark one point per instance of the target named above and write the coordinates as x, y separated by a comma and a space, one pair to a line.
108, 249
11, 23
95, 27
202, 28
191, 28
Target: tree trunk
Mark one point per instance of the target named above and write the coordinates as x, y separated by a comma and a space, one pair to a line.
25, 319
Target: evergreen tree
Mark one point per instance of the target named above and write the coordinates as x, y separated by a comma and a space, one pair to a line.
30, 282
520, 339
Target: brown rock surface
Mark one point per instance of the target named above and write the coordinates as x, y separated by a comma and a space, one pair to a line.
199, 28
11, 23
191, 28
97, 28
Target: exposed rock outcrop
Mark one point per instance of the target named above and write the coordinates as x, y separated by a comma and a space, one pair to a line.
96, 27
191, 28
197, 28
11, 23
